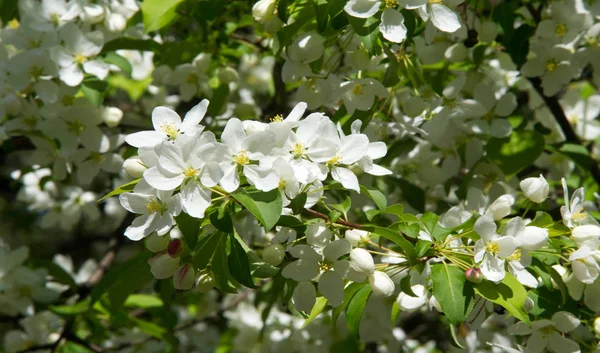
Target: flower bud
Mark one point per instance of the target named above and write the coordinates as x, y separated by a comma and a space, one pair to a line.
528, 304
227, 74
474, 275
597, 326
501, 207
536, 189
381, 284
362, 261
157, 243
163, 266
356, 236
263, 10
112, 116
175, 247
134, 167
184, 277
273, 254
205, 282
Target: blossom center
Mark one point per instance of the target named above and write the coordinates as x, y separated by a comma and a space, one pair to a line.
76, 127
561, 30
335, 160
68, 100
36, 71
551, 65
390, 4
97, 157
170, 129
192, 79
357, 90
493, 248
435, 1
324, 266
80, 59
516, 256
277, 118
154, 206
579, 215
298, 149
282, 184
14, 23
189, 172
242, 158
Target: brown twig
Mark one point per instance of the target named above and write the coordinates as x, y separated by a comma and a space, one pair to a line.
560, 117
325, 217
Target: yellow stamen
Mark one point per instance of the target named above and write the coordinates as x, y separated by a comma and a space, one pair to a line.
323, 266
282, 184
516, 256
561, 30
190, 172
242, 158
277, 119
97, 157
551, 65
14, 23
579, 215
154, 206
76, 127
335, 160
435, 2
297, 149
390, 4
357, 90
170, 129
80, 59
493, 248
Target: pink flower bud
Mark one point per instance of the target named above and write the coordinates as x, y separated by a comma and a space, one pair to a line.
184, 277
162, 265
474, 275
175, 247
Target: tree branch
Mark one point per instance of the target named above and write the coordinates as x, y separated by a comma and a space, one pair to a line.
560, 117
325, 217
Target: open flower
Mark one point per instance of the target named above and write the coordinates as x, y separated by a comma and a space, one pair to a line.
549, 334
492, 249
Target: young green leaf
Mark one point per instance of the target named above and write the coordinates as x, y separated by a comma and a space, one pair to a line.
121, 189
355, 309
239, 265
265, 206
509, 293
453, 292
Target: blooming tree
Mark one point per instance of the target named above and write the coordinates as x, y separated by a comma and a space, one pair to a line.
299, 176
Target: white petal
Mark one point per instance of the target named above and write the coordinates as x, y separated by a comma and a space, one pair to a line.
71, 75
392, 26
97, 68
160, 181
493, 268
195, 198
361, 260
381, 284
346, 178
145, 138
561, 344
486, 227
443, 18
565, 321
163, 118
331, 285
362, 8
336, 249
194, 116
304, 296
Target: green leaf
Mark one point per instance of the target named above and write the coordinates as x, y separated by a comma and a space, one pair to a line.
578, 154
514, 153
509, 293
222, 221
75, 309
131, 44
93, 95
144, 301
396, 210
158, 13
190, 228
123, 280
220, 266
504, 14
396, 238
452, 291
518, 46
320, 305
321, 14
414, 195
8, 10
405, 287
238, 263
219, 98
349, 292
355, 309
282, 10
58, 273
121, 189
364, 26
265, 206
119, 61
154, 330
205, 249
298, 202
422, 247
377, 196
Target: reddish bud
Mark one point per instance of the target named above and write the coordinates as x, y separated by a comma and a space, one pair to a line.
474, 275
175, 247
